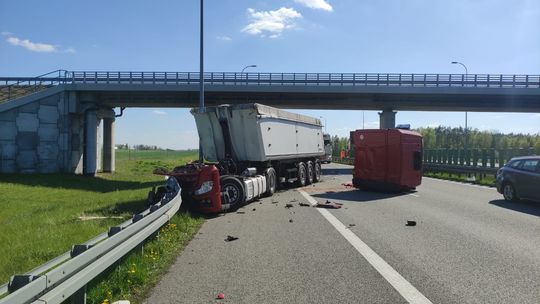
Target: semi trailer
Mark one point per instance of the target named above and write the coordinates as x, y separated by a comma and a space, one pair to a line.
249, 150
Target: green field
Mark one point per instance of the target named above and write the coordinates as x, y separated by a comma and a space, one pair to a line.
40, 214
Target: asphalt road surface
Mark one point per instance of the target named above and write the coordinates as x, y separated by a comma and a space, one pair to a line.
469, 246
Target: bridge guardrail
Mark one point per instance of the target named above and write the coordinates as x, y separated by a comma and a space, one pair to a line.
306, 79
68, 277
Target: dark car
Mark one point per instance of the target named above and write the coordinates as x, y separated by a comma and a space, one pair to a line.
520, 178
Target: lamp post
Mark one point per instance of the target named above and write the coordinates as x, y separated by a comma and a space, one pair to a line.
201, 75
242, 72
466, 133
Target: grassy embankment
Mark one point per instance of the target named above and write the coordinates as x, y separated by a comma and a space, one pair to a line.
41, 217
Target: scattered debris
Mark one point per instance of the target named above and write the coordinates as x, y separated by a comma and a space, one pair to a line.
254, 209
240, 212
352, 225
347, 185
411, 223
274, 202
329, 205
294, 200
304, 204
231, 238
220, 296
290, 221
289, 206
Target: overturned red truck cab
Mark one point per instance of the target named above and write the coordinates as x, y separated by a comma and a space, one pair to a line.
387, 159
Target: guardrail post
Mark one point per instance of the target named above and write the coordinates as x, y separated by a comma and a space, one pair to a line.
501, 158
468, 157
492, 158
484, 158
79, 297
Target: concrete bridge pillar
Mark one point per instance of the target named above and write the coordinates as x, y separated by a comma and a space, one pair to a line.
90, 142
108, 144
387, 119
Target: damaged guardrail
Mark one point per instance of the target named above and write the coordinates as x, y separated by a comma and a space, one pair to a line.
67, 275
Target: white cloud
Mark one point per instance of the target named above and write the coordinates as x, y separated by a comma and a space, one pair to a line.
32, 46
271, 22
70, 50
158, 112
6, 33
224, 38
316, 4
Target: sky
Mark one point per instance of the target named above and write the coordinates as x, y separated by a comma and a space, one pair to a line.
361, 36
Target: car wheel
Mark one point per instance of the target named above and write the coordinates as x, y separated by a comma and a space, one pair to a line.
509, 193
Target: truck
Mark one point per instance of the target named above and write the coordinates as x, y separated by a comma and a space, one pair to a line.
387, 159
249, 150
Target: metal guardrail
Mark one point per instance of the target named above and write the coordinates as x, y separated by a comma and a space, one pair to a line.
15, 87
66, 277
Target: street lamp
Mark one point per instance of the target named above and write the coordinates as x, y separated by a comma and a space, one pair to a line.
201, 76
248, 66
466, 74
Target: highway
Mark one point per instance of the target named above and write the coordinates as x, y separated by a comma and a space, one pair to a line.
469, 246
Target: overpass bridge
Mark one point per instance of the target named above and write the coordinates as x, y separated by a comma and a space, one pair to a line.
53, 122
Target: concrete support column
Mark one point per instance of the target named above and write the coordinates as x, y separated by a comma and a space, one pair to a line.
108, 144
90, 142
387, 119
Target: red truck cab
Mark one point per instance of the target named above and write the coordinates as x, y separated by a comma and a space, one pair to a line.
387, 159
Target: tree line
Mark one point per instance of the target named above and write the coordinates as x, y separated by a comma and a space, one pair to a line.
454, 138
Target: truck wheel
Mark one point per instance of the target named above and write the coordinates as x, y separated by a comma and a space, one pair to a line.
301, 175
317, 172
271, 181
310, 173
234, 188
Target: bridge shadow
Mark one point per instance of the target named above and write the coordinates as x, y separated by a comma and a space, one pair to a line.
336, 171
356, 196
71, 181
523, 206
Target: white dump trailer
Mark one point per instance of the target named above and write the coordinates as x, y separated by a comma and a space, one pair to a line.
249, 150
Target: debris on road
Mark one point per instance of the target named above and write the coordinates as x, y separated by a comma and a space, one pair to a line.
220, 296
294, 200
231, 238
411, 223
274, 202
254, 209
304, 204
329, 205
240, 212
347, 185
289, 206
352, 225
290, 221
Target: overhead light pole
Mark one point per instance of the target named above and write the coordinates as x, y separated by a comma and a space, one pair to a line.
466, 129
201, 75
325, 128
246, 67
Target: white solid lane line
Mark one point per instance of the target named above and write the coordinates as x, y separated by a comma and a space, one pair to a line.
405, 289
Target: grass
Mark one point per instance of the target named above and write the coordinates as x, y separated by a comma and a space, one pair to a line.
487, 180
39, 214
139, 271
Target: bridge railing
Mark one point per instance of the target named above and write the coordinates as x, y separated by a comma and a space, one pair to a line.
309, 79
15, 87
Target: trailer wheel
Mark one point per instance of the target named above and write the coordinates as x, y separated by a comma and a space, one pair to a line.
317, 172
301, 175
310, 173
271, 181
234, 188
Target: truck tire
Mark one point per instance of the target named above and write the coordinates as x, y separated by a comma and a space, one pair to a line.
271, 181
317, 172
310, 172
235, 191
302, 178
